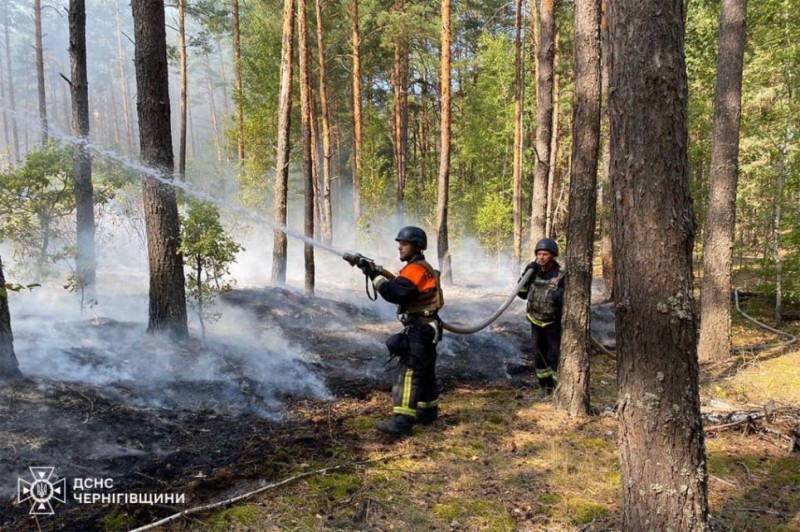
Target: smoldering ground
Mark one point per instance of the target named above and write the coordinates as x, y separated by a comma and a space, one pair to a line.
102, 398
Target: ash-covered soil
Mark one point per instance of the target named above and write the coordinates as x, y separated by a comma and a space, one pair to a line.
208, 419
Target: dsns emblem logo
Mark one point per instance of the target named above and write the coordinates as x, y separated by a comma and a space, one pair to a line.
42, 490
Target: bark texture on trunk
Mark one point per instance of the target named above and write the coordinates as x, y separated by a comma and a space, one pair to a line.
443, 198
358, 122
38, 48
9, 367
715, 313
544, 118
10, 78
123, 72
282, 160
662, 458
572, 393
400, 120
82, 160
306, 135
167, 285
553, 176
517, 164
326, 208
184, 88
237, 81
606, 203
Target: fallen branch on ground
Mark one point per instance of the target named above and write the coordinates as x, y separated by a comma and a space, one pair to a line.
249, 494
783, 422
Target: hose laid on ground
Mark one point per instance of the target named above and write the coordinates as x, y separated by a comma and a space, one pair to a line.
458, 329
792, 338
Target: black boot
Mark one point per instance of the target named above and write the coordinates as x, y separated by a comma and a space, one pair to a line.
399, 426
426, 416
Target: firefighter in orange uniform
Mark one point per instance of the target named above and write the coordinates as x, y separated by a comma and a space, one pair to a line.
418, 295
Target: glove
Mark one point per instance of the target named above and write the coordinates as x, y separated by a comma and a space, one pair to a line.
369, 269
532, 266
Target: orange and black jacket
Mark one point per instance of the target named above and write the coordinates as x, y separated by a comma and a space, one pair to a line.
414, 289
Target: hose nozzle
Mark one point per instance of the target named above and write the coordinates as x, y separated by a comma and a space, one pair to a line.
356, 259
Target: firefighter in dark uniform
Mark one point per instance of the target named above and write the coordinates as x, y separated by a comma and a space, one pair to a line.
544, 292
417, 293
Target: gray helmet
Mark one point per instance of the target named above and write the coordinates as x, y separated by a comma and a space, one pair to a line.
547, 244
412, 234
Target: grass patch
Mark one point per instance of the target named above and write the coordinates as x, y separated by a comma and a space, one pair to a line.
360, 423
481, 514
581, 511
235, 518
766, 379
335, 485
118, 520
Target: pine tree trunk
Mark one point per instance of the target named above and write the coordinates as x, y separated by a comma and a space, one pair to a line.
111, 109
305, 133
223, 74
572, 393
662, 457
6, 132
184, 88
327, 154
37, 22
517, 168
715, 315
400, 137
82, 161
126, 108
237, 66
282, 160
11, 102
532, 126
357, 112
607, 203
212, 110
315, 153
544, 118
443, 198
776, 226
553, 177
167, 285
9, 367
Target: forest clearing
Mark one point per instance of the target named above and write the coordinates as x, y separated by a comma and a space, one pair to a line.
198, 200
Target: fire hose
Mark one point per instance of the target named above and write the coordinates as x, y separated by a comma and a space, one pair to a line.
356, 259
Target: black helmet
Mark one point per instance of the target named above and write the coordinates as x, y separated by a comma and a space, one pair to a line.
547, 244
412, 234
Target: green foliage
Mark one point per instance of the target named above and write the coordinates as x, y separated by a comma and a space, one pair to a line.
36, 199
37, 202
482, 146
14, 287
261, 51
493, 223
208, 252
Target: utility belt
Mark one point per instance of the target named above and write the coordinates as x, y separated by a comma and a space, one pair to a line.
422, 318
425, 318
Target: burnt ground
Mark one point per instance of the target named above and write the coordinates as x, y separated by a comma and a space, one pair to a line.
210, 419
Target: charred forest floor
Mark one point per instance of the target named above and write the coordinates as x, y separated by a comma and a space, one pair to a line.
500, 456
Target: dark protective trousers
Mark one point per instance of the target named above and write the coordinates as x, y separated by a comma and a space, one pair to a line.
546, 353
414, 392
